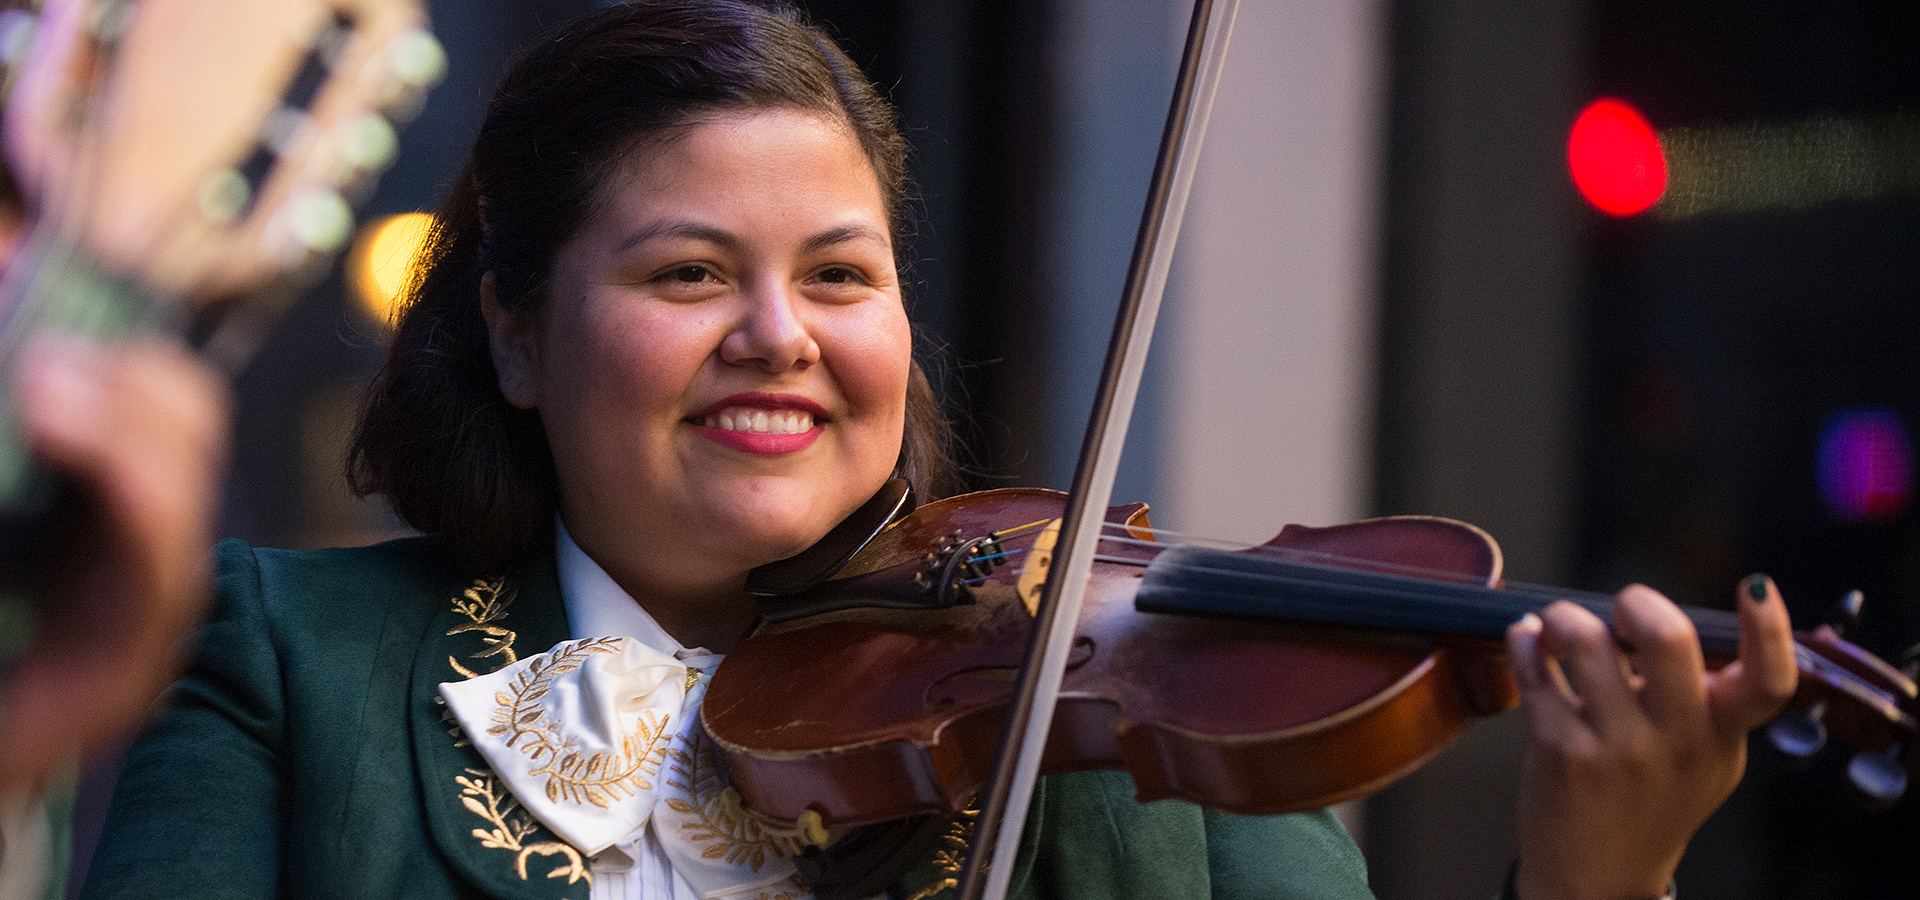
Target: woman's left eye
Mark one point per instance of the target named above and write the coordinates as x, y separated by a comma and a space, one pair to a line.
839, 275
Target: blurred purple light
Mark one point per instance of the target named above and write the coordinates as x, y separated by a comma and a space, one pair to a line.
1866, 464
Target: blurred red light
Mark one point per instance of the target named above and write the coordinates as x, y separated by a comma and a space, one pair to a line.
1615, 158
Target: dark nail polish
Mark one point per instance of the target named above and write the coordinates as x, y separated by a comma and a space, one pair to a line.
1757, 587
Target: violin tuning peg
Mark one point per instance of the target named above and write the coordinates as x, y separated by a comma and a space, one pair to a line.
1799, 734
1878, 776
1845, 617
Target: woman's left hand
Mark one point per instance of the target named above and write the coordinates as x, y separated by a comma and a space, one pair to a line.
141, 429
1629, 752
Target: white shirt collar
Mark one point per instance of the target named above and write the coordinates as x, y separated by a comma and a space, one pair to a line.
598, 607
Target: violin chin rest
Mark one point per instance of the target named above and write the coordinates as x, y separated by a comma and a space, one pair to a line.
813, 566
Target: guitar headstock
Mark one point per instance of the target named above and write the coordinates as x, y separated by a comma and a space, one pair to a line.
203, 147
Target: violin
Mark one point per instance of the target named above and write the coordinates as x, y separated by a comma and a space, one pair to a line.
1315, 668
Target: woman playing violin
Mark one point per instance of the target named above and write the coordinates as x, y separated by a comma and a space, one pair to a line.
662, 342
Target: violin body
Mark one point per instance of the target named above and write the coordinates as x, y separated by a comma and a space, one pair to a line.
866, 715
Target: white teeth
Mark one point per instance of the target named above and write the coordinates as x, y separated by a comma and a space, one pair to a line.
760, 421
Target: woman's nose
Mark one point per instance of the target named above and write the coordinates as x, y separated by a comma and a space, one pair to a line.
771, 332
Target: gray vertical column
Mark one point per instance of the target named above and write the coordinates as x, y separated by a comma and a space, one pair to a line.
1480, 365
1115, 61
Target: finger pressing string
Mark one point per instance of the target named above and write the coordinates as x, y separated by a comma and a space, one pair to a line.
1585, 651
1666, 654
1752, 688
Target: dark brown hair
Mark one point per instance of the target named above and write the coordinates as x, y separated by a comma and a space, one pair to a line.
452, 456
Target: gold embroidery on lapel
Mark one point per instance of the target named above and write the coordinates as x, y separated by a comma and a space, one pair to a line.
952, 858
736, 836
598, 779
511, 825
484, 604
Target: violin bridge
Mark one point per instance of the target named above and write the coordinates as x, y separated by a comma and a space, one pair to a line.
1034, 574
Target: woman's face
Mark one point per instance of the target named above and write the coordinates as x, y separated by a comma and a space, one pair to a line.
721, 366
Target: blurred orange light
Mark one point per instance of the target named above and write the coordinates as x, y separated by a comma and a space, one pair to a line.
1616, 159
384, 259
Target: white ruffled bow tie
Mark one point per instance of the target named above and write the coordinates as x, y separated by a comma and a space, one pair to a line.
600, 739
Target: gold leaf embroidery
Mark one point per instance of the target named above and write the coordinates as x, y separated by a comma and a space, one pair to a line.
599, 778
484, 604
953, 857
511, 826
737, 837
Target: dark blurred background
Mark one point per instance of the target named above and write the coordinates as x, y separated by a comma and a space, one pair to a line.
1719, 384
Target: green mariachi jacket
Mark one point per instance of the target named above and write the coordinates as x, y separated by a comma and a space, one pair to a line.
306, 754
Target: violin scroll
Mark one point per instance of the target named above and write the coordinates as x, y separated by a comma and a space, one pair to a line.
1847, 691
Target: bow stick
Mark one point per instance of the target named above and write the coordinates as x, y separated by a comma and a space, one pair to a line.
1017, 766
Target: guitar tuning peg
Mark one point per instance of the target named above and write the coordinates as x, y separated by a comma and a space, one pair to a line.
321, 220
368, 143
418, 59
1910, 662
1878, 776
1800, 734
1845, 617
417, 63
224, 195
314, 221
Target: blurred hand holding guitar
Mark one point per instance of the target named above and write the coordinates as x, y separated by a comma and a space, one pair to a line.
184, 167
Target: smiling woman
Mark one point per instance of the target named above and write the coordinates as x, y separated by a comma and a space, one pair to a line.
721, 365
561, 172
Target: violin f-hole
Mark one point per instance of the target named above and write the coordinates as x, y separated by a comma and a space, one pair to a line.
990, 684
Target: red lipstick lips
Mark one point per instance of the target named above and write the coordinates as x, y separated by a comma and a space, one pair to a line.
761, 424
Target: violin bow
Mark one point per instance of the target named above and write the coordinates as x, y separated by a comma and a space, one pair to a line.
1016, 769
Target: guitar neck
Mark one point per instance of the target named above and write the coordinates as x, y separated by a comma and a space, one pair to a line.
52, 287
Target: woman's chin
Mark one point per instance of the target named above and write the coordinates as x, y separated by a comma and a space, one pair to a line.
776, 526
772, 537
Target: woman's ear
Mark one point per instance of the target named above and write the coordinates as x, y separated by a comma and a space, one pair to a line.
510, 337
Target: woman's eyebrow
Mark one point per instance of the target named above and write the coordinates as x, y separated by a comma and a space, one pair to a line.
680, 229
729, 241
843, 234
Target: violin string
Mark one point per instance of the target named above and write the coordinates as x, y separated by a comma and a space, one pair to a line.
1311, 556
1098, 557
1811, 663
1009, 532
1713, 624
1296, 554
1723, 625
